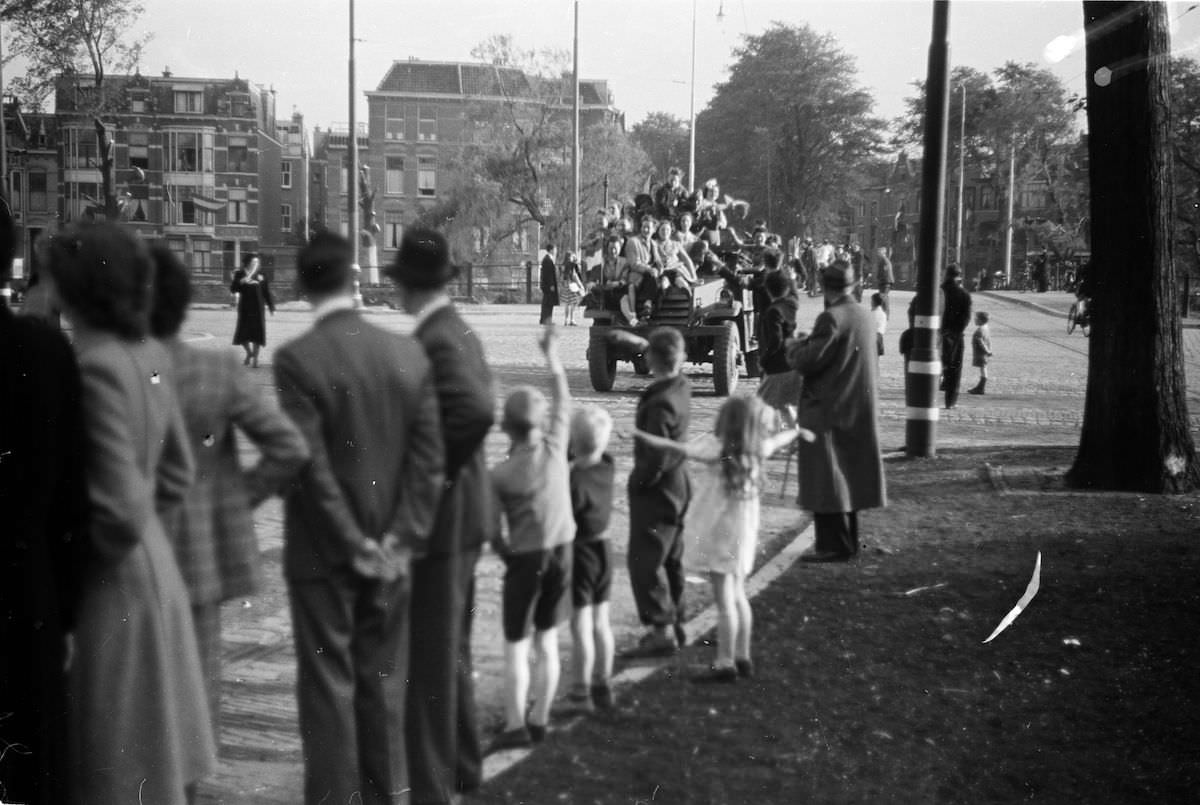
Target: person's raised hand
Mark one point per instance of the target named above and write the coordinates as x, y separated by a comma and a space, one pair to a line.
548, 339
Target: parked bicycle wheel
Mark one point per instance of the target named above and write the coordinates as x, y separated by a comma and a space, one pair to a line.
1072, 318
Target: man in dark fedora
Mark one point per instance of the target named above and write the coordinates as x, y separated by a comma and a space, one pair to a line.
956, 315
841, 470
364, 506
443, 740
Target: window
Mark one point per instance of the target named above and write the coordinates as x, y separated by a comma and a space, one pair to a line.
969, 198
394, 180
427, 128
239, 155
426, 176
187, 212
82, 201
139, 150
393, 124
285, 217
178, 247
81, 150
392, 232
202, 254
18, 203
189, 152
38, 198
189, 101
345, 179
239, 104
237, 210
987, 198
137, 104
285, 174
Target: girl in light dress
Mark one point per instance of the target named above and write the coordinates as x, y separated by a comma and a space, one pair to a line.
723, 515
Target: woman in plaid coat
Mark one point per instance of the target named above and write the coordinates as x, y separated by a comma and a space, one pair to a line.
213, 532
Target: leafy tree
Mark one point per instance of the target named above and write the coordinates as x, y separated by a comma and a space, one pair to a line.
1020, 108
664, 138
1185, 144
1136, 430
84, 40
791, 123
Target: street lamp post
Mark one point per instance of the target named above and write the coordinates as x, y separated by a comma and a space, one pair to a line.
962, 139
924, 367
352, 171
692, 112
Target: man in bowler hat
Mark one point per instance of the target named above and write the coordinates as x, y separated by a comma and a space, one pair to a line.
354, 520
443, 740
841, 470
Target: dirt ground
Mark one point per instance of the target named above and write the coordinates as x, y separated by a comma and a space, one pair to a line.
873, 684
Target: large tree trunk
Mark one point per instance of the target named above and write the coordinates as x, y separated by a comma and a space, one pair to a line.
1136, 430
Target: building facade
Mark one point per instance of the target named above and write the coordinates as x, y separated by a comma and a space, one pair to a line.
32, 146
197, 162
417, 118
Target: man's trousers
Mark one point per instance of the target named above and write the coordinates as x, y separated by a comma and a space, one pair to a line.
352, 659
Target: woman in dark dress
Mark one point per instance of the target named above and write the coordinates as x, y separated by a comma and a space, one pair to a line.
254, 296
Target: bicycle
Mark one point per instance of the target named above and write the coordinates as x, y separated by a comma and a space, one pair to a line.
1080, 315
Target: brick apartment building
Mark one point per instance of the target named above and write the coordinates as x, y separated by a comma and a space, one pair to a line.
415, 116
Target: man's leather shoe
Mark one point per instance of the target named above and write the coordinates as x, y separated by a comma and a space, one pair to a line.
813, 555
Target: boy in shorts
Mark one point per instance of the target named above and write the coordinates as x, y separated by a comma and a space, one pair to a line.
592, 472
532, 486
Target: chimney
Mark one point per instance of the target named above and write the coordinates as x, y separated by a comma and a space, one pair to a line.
166, 72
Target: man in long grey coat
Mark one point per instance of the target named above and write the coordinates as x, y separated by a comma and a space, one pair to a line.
841, 471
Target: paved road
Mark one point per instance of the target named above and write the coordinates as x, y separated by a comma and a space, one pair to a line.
1035, 396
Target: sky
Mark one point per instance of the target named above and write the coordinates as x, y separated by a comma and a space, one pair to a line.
643, 47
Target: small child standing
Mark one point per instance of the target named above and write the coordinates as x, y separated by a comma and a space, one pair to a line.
592, 472
723, 518
532, 486
981, 349
880, 317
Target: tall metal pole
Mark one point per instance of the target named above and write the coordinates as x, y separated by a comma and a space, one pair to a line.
352, 171
575, 145
962, 140
1008, 229
924, 366
692, 113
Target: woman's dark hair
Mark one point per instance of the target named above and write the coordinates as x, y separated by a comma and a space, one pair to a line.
248, 258
172, 292
103, 275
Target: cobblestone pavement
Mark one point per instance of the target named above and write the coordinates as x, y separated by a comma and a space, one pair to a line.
1035, 396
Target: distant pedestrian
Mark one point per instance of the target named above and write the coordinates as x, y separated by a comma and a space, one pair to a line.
885, 278
444, 752
253, 300
570, 288
213, 532
858, 261
548, 281
841, 472
592, 478
956, 315
981, 349
880, 317
659, 493
722, 522
533, 488
354, 520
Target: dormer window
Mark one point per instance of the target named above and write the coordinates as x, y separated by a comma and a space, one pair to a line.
189, 102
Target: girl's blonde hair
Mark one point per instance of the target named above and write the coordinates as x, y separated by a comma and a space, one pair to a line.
741, 426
